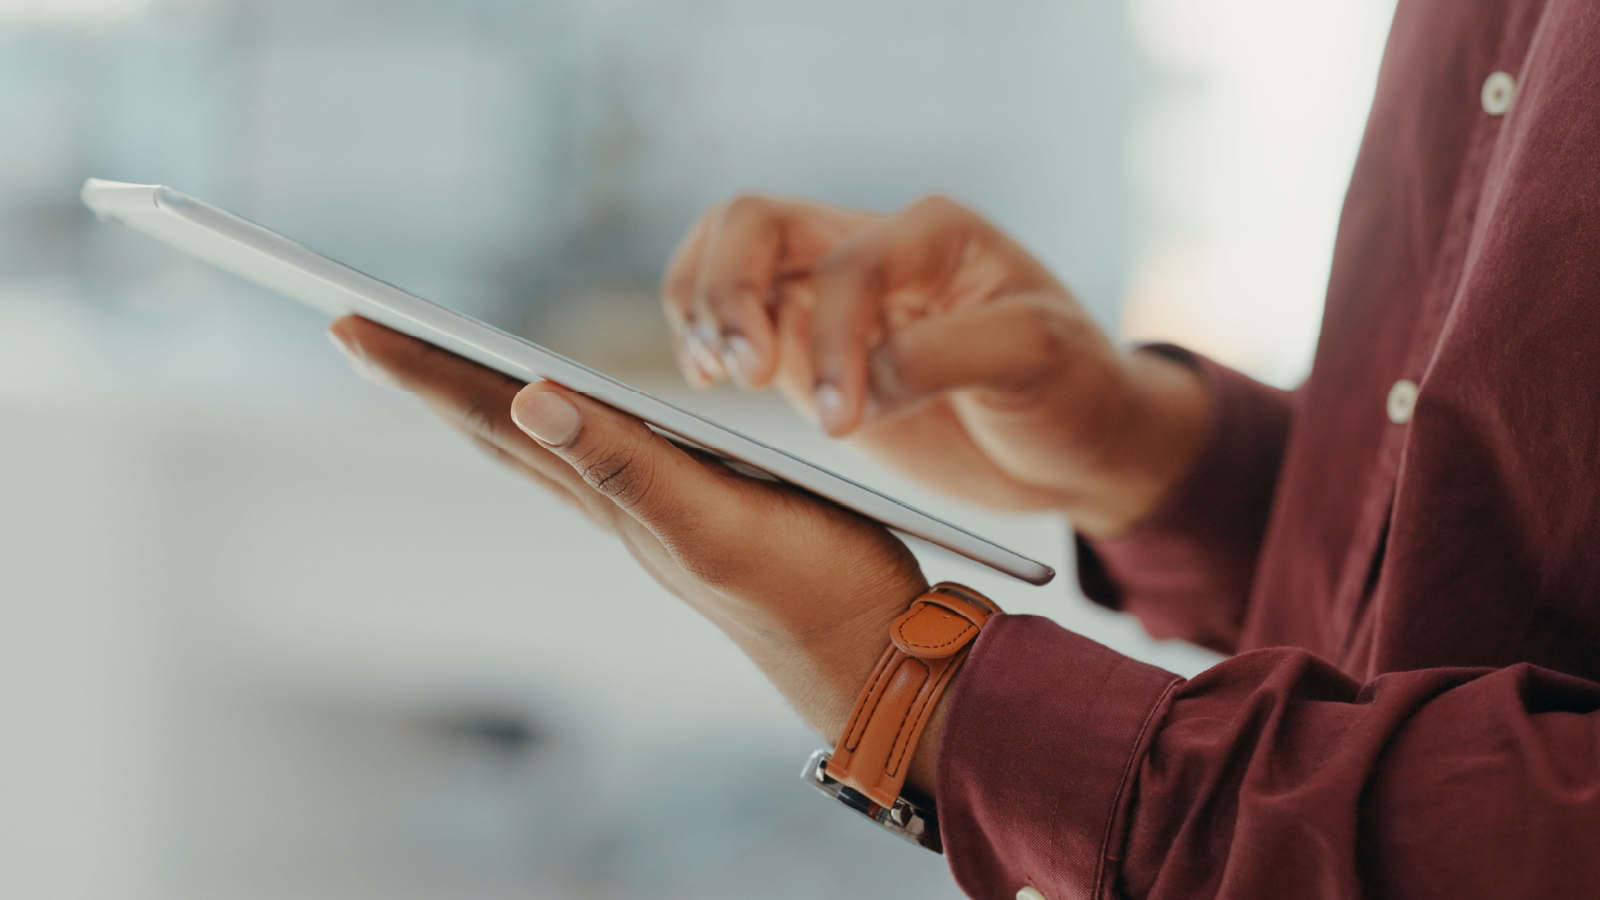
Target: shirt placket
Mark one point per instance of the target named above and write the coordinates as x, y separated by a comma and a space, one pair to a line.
1357, 580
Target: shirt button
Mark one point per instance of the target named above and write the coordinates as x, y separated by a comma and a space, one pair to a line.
1497, 91
1029, 893
1402, 401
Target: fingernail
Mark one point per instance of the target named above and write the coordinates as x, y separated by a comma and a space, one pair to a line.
359, 362
706, 345
691, 369
709, 336
547, 416
830, 407
741, 360
696, 349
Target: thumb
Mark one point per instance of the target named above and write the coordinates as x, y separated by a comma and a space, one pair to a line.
660, 485
1015, 345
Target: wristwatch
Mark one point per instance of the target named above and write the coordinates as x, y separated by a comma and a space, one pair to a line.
867, 769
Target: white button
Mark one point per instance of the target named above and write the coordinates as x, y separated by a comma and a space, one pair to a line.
1402, 401
1029, 893
1497, 91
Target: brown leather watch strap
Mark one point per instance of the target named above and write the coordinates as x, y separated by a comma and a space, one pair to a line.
926, 645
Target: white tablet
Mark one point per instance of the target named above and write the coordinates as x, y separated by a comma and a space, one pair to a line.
272, 260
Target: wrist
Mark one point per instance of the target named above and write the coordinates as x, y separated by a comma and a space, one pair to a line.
883, 764
1153, 434
818, 655
849, 650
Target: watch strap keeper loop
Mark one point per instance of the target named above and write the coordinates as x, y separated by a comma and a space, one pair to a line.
927, 644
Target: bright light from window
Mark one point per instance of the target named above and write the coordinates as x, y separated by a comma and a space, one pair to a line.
1243, 161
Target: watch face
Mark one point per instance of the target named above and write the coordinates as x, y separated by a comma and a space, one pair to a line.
906, 819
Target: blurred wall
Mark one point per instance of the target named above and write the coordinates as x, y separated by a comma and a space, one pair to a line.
504, 155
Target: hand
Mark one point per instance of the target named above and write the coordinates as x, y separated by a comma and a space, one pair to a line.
939, 345
805, 588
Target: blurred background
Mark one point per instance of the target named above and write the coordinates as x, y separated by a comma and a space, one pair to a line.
267, 631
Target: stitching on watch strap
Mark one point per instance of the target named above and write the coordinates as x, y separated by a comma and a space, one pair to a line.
882, 781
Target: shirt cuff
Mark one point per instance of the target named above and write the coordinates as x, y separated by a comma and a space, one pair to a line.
1186, 569
1041, 738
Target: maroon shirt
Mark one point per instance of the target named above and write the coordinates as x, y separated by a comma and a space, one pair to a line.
1412, 595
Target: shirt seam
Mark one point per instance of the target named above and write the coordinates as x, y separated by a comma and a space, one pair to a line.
1100, 884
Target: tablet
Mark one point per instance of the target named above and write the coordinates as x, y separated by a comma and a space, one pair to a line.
273, 261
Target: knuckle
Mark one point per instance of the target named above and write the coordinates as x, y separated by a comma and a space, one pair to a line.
1059, 334
728, 297
940, 207
745, 208
622, 474
1044, 338
850, 271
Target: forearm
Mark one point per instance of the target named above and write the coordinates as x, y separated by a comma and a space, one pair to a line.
1152, 429
1186, 567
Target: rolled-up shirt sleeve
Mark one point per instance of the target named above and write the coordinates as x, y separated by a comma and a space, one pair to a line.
1186, 569
1072, 769
1041, 735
